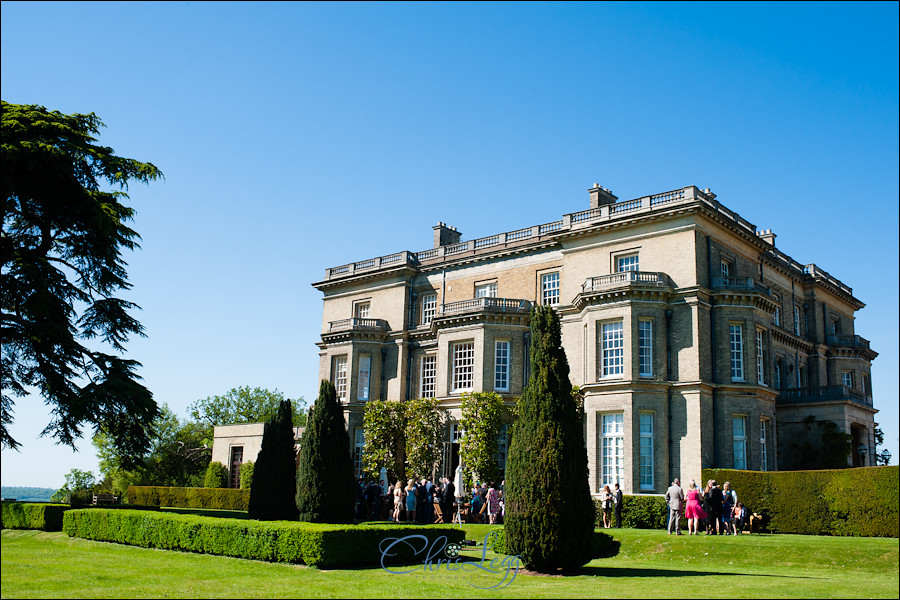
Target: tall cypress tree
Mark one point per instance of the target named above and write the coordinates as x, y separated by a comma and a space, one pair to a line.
326, 492
549, 512
272, 491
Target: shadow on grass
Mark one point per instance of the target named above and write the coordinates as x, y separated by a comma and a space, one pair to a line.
638, 572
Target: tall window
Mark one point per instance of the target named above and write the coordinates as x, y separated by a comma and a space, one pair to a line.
362, 382
550, 288
612, 444
429, 307
501, 365
645, 348
778, 364
488, 290
737, 352
339, 376
777, 310
847, 378
427, 376
796, 320
627, 263
834, 327
760, 358
865, 382
726, 268
359, 444
763, 438
613, 349
646, 425
739, 432
463, 370
502, 447
361, 310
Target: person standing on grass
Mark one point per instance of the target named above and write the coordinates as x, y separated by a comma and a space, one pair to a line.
617, 497
606, 501
411, 501
398, 501
493, 503
714, 499
675, 501
693, 511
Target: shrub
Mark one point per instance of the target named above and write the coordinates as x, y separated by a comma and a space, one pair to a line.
326, 492
32, 515
638, 512
548, 525
314, 544
275, 479
216, 473
209, 498
857, 502
602, 544
247, 475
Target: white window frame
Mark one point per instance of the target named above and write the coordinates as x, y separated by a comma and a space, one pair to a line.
501, 365
725, 267
462, 368
645, 424
739, 436
612, 449
796, 319
612, 349
362, 309
486, 290
628, 262
364, 377
760, 357
645, 347
777, 310
778, 364
550, 288
736, 342
427, 376
339, 375
763, 444
429, 308
847, 379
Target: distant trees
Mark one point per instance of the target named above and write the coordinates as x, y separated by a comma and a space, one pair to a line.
77, 488
242, 405
326, 492
273, 487
548, 509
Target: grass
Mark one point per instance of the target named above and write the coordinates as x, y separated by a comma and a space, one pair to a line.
649, 564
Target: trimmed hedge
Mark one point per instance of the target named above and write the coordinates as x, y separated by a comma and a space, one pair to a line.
638, 512
32, 515
179, 497
855, 502
313, 544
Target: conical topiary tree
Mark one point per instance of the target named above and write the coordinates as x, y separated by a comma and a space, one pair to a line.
549, 513
326, 492
272, 490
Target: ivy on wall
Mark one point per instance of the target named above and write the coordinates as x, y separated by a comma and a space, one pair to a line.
482, 419
403, 437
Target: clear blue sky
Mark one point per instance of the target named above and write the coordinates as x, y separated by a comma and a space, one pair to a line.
295, 137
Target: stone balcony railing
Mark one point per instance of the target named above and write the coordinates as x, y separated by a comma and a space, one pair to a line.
357, 323
636, 278
486, 304
739, 283
847, 341
832, 393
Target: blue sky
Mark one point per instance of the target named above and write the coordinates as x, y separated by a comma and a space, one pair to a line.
296, 137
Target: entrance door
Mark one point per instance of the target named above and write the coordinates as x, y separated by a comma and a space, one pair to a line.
237, 457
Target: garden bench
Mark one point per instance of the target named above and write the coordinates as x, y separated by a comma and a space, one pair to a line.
105, 499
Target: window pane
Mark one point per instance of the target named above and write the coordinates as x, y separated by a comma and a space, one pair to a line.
646, 450
339, 375
429, 307
463, 366
613, 450
645, 348
550, 288
428, 376
362, 384
613, 349
737, 353
501, 366
488, 290
627, 263
739, 429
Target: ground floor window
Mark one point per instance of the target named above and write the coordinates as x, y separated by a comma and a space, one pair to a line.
763, 439
646, 424
612, 445
358, 445
739, 430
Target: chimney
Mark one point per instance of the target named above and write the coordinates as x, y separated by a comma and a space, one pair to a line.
767, 236
601, 196
445, 235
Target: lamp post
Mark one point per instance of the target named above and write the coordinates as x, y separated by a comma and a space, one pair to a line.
885, 457
862, 450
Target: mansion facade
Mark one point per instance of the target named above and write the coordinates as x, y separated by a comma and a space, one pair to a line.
695, 341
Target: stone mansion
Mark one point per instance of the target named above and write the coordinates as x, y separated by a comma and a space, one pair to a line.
696, 342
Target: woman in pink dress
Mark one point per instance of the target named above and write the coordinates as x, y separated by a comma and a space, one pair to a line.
693, 511
493, 503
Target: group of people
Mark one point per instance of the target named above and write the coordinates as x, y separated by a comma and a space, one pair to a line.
487, 503
412, 503
611, 500
716, 508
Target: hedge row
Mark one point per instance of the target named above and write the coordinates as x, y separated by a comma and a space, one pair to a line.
856, 502
638, 512
278, 541
32, 515
181, 497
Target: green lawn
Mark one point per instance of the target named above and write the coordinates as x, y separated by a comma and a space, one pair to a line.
649, 564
